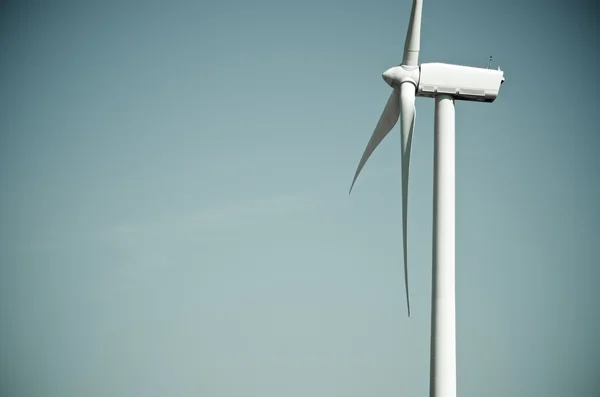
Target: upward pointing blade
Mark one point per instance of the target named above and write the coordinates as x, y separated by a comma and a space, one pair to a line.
387, 121
408, 113
413, 35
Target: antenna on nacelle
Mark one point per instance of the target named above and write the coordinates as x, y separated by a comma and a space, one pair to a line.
489, 65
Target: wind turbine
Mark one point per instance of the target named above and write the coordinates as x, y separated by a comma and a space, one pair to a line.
446, 84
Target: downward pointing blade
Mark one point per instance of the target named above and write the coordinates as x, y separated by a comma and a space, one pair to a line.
408, 113
387, 121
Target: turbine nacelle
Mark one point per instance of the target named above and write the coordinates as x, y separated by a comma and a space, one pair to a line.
464, 83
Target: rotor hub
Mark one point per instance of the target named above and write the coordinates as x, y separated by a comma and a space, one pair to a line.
397, 75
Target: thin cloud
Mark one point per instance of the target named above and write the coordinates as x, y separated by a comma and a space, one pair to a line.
280, 205
222, 216
151, 246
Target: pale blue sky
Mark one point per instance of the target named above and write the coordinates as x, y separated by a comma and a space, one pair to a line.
175, 216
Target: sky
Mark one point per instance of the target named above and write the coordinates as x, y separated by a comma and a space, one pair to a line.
175, 217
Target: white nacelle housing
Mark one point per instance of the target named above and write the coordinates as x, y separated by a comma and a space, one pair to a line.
462, 82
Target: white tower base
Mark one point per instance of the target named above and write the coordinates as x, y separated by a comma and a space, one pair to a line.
443, 321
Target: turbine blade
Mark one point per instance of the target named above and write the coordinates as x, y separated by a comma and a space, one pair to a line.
408, 116
386, 122
413, 35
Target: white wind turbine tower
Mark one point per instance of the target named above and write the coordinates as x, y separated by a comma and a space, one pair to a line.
446, 84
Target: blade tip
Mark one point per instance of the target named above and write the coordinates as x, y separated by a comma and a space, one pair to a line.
352, 186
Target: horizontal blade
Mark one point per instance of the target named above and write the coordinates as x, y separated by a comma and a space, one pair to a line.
387, 121
413, 35
408, 114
